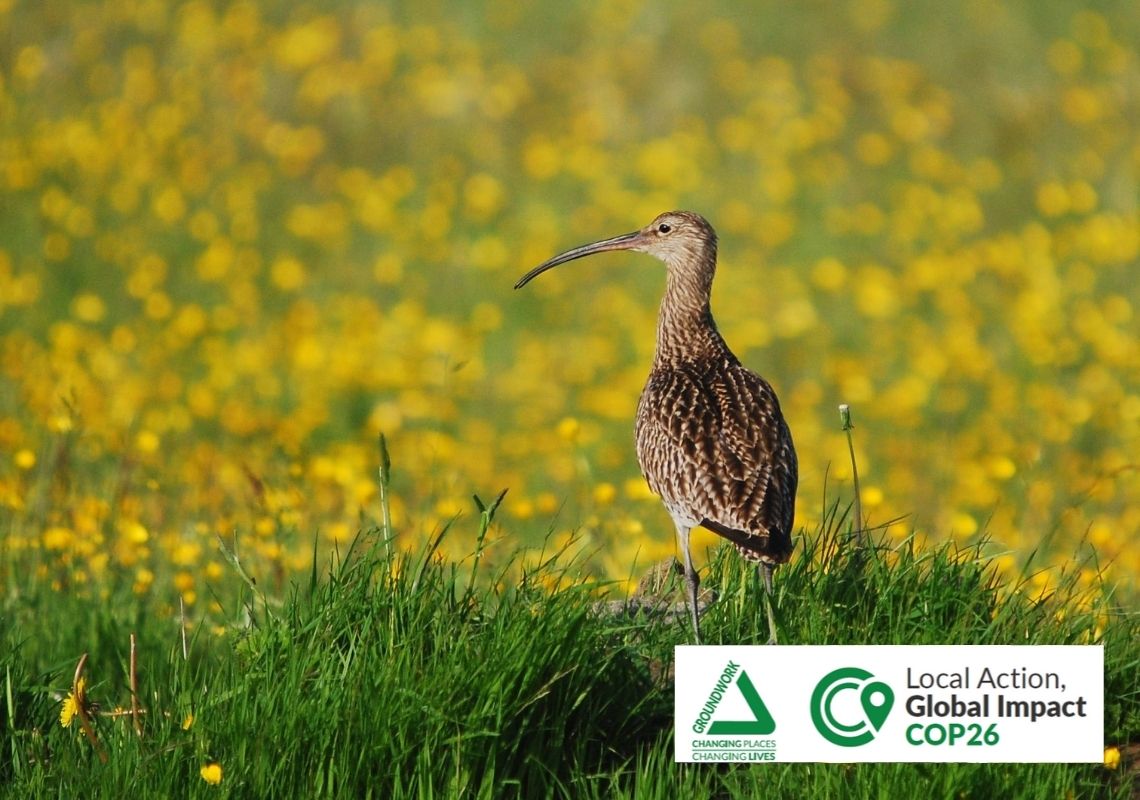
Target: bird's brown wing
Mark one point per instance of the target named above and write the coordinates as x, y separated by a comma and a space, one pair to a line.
715, 446
758, 458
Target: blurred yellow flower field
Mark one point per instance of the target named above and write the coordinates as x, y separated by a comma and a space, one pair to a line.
239, 240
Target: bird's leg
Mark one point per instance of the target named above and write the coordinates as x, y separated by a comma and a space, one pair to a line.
692, 580
766, 570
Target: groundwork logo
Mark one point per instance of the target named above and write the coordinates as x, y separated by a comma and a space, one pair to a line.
836, 714
761, 723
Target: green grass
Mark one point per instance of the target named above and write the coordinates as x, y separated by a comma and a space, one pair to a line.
406, 675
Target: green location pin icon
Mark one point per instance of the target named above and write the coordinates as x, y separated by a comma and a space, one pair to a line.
877, 699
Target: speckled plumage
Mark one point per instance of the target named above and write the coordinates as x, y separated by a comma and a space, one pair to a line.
713, 445
711, 439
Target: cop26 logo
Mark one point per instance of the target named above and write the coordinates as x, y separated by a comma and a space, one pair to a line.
848, 706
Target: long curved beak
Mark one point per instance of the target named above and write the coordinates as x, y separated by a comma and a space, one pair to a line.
627, 241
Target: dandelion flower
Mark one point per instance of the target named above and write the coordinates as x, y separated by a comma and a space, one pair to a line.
212, 773
1112, 757
67, 713
71, 704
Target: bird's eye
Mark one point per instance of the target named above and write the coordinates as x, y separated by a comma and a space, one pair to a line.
664, 227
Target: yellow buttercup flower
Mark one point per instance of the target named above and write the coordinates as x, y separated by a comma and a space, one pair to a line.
1112, 757
212, 773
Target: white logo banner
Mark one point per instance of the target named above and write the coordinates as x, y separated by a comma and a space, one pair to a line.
833, 703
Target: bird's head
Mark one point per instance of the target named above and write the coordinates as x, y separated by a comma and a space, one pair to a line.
679, 238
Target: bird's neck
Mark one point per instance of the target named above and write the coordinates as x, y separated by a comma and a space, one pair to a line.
685, 326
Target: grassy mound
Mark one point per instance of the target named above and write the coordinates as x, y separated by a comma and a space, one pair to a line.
406, 675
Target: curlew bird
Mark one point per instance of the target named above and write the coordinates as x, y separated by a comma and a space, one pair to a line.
711, 439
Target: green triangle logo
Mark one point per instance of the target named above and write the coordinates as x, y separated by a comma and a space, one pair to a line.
762, 724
